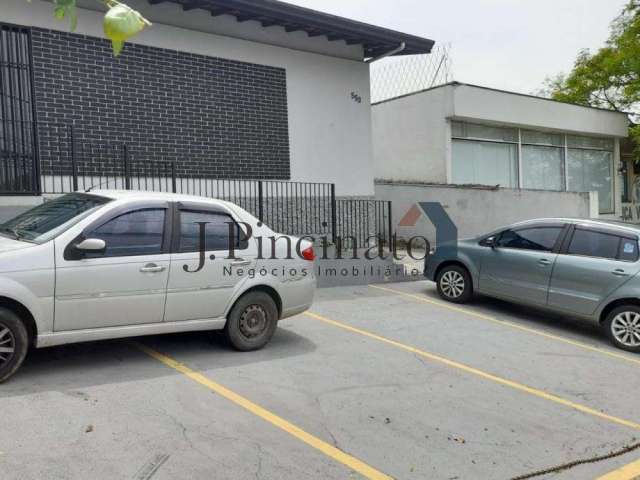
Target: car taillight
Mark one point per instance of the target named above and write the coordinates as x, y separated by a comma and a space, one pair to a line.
309, 254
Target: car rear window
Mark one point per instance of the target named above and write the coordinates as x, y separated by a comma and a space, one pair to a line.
217, 233
628, 250
602, 245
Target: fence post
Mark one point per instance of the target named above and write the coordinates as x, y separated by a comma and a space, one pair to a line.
174, 180
334, 215
127, 173
74, 165
260, 202
37, 172
389, 205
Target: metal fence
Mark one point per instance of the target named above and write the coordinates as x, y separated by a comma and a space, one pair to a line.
402, 75
70, 161
18, 155
296, 208
368, 222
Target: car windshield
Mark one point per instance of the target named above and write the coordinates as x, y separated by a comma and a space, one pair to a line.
50, 219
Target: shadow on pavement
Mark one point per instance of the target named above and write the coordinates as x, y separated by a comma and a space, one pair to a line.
77, 366
532, 317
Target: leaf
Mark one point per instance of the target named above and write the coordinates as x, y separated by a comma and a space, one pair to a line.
117, 46
610, 77
59, 13
121, 23
73, 17
65, 8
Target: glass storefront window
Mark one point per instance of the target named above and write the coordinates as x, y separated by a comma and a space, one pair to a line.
589, 142
542, 167
488, 155
589, 170
533, 137
485, 163
484, 132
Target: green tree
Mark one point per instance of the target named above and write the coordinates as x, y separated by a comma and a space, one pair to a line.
610, 77
121, 22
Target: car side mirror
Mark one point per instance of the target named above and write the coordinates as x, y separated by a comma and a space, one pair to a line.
91, 245
489, 242
79, 250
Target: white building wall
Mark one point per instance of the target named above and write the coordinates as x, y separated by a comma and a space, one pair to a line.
412, 134
411, 137
476, 210
329, 133
486, 105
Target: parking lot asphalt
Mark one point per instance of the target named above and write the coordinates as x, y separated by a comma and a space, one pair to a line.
380, 381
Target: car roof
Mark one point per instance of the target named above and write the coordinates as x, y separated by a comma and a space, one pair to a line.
619, 225
144, 195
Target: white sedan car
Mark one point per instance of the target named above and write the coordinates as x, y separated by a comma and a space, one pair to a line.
108, 264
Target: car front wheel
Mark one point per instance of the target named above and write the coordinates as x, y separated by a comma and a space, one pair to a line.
622, 326
252, 322
454, 284
14, 343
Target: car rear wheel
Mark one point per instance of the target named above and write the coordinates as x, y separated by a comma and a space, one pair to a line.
252, 322
454, 284
622, 326
14, 343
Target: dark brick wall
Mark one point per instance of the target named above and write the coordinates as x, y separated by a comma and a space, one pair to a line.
215, 117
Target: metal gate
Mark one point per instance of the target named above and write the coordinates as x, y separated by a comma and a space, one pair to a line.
19, 173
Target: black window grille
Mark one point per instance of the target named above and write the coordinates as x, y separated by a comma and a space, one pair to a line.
18, 153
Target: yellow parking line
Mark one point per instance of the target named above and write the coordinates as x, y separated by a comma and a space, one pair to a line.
628, 472
329, 450
489, 318
488, 376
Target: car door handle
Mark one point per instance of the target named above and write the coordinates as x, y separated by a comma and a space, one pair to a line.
152, 268
618, 272
543, 262
239, 262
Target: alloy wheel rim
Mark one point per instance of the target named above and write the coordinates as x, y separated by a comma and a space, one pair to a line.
452, 284
253, 321
625, 327
7, 345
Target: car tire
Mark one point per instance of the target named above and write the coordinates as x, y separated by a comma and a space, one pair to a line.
454, 284
622, 326
14, 343
252, 322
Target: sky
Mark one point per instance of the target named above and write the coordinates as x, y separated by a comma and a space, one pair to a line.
506, 44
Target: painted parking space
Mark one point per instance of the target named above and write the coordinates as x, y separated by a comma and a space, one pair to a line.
399, 412
357, 383
278, 422
564, 369
511, 315
630, 471
426, 296
106, 410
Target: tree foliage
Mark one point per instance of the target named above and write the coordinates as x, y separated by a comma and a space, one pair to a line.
610, 77
121, 22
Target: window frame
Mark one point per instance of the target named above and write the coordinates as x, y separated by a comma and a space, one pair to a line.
603, 230
70, 254
517, 165
179, 207
520, 142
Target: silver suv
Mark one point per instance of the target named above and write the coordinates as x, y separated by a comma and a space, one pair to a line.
582, 268
106, 264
